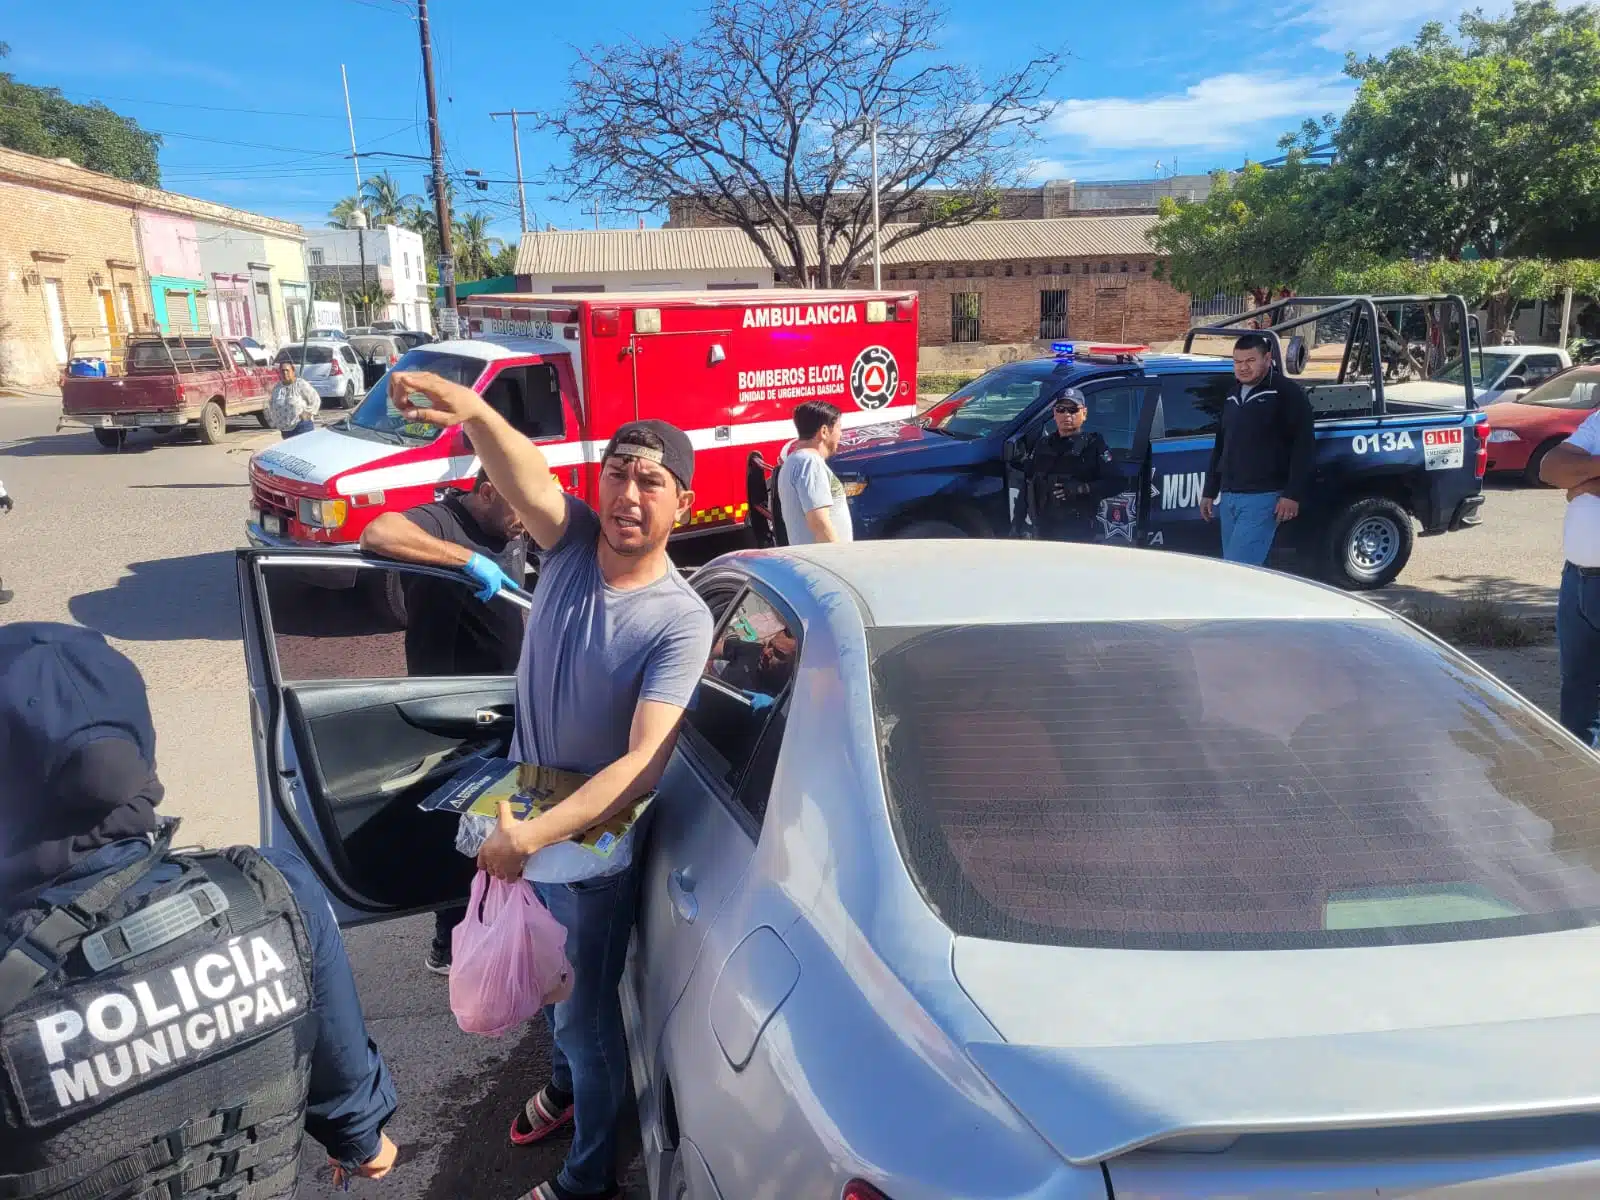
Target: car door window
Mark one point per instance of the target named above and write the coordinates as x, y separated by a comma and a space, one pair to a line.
240, 358
349, 356
1536, 368
742, 697
529, 398
1114, 414
1191, 405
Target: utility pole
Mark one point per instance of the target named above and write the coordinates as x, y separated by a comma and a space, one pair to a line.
516, 147
877, 264
441, 201
597, 214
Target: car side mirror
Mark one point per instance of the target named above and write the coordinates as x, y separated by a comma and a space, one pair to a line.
1512, 382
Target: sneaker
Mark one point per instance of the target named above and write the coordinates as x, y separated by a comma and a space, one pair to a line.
5, 595
438, 961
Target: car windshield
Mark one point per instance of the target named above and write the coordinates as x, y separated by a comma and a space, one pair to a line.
377, 415
1578, 388
301, 354
1235, 784
1486, 365
993, 401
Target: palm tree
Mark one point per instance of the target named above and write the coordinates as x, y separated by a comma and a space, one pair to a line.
474, 246
339, 215
384, 201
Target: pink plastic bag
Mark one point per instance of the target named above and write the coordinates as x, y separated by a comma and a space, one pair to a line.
508, 958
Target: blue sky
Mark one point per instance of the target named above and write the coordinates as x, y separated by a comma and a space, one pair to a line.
253, 112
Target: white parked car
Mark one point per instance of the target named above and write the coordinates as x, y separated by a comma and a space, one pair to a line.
333, 368
1508, 371
255, 351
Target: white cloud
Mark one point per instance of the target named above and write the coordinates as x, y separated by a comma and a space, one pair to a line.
1374, 26
1221, 112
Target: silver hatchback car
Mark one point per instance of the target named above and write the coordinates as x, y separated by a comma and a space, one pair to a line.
1005, 869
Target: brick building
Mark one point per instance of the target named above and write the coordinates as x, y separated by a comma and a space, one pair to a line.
86, 259
988, 290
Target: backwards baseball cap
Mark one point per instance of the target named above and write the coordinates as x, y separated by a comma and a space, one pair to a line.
658, 442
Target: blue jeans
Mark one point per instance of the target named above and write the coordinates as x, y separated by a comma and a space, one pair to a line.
1578, 639
1249, 522
590, 1055
304, 425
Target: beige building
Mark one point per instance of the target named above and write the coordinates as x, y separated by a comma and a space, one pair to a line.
86, 259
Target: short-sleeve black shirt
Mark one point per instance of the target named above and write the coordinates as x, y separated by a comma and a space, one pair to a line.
449, 631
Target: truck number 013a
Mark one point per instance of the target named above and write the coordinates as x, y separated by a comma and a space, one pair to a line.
1375, 443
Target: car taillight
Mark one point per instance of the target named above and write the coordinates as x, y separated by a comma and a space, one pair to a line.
858, 1190
393, 358
336, 369
1481, 464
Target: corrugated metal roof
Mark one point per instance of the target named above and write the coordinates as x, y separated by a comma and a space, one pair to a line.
581, 252
605, 251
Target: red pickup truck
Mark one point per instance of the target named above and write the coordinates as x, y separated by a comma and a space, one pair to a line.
169, 382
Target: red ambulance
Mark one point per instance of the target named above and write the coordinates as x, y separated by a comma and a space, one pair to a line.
728, 368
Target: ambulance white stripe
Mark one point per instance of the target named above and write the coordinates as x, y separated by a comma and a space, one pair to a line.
438, 471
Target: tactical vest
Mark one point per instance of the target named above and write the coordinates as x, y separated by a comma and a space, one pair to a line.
158, 1049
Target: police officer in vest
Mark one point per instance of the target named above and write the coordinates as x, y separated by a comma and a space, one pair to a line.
1067, 474
169, 1023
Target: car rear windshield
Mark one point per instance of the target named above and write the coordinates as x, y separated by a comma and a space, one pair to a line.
993, 401
378, 415
1228, 785
1577, 388
302, 354
186, 355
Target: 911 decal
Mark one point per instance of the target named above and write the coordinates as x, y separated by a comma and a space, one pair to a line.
1443, 449
1382, 443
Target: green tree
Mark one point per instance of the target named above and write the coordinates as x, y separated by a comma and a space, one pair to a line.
474, 247
339, 215
1250, 234
1495, 286
39, 120
1483, 145
504, 262
384, 201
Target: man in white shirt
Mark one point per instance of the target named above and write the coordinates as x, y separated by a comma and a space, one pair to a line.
1575, 465
810, 497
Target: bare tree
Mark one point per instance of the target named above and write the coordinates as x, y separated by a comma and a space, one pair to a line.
763, 118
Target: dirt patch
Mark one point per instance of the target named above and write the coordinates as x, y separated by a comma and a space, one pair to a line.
1481, 620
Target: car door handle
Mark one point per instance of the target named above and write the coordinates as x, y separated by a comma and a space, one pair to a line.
497, 714
680, 890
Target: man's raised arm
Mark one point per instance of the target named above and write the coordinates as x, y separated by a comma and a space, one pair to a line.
515, 466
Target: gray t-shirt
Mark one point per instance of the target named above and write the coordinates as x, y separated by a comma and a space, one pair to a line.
592, 652
805, 484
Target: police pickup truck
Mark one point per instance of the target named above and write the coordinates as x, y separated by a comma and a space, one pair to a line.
1396, 448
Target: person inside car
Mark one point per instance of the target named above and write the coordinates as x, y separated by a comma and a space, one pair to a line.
174, 1021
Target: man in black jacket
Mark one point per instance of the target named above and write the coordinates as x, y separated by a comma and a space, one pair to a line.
1265, 448
1068, 474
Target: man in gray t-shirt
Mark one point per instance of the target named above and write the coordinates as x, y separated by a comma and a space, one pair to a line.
615, 645
810, 497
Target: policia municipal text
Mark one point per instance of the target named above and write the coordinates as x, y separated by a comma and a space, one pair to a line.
169, 1023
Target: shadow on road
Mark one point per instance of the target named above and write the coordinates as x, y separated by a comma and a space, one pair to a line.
66, 445
167, 599
181, 487
1518, 595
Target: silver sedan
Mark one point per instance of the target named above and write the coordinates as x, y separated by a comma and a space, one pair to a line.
999, 869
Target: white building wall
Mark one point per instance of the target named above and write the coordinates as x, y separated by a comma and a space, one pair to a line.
389, 246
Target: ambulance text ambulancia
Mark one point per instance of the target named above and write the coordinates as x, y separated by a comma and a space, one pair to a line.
726, 367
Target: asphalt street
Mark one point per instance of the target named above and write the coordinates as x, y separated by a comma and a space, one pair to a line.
139, 544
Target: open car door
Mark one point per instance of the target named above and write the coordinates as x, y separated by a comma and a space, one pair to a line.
353, 724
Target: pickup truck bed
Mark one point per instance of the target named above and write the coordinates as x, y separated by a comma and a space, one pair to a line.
169, 383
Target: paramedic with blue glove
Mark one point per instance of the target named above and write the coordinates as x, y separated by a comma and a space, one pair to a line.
451, 630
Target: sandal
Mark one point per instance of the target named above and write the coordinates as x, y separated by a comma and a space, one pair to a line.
537, 1121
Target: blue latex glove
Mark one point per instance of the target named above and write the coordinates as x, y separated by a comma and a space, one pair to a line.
487, 572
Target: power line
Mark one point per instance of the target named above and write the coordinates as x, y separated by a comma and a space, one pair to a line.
257, 112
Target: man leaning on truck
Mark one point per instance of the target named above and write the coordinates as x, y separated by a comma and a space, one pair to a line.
1262, 459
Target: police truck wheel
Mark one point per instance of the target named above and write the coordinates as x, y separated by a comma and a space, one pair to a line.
1369, 543
930, 529
111, 439
213, 423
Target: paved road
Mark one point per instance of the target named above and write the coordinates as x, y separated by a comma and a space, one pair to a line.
139, 545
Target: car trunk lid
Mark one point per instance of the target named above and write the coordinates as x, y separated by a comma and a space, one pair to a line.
1113, 1052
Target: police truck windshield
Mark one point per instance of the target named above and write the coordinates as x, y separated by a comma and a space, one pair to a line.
993, 401
378, 414
1228, 785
